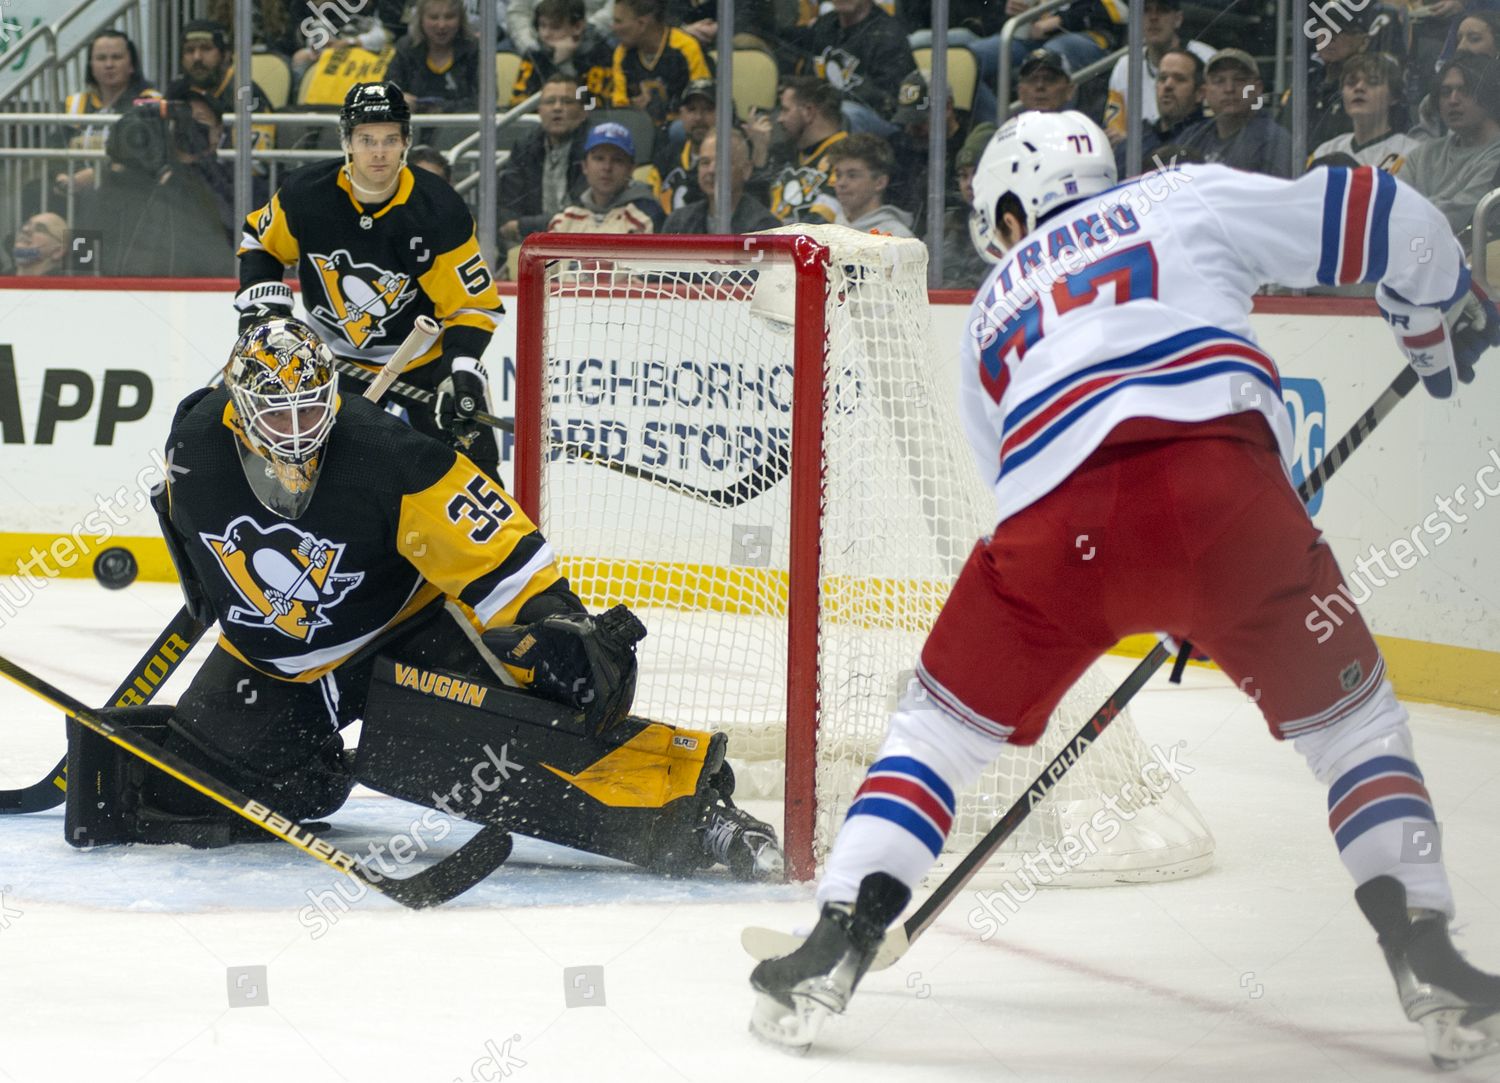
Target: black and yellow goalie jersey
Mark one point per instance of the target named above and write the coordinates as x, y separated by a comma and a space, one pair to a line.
397, 521
368, 272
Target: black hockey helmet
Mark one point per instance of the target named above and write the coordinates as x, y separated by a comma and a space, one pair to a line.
374, 103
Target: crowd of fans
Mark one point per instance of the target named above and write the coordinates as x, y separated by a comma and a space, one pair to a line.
626, 99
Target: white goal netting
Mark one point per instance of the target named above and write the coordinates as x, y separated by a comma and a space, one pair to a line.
669, 481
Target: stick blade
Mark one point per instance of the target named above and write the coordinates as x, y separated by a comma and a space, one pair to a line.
454, 874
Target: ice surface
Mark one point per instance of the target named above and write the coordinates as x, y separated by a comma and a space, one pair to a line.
114, 965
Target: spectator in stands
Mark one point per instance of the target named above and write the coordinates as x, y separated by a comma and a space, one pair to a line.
520, 21
207, 67
1045, 83
1455, 171
41, 245
567, 44
802, 189
546, 166
1375, 103
1478, 35
1178, 102
964, 266
863, 53
747, 214
1239, 134
274, 24
150, 216
334, 27
611, 201
437, 62
1080, 33
1358, 35
199, 135
654, 62
675, 172
754, 22
862, 167
909, 182
113, 83
431, 159
1163, 19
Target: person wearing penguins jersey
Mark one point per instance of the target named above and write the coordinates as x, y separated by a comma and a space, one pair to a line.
361, 571
377, 244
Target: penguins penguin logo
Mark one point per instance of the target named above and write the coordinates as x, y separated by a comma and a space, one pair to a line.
287, 578
361, 297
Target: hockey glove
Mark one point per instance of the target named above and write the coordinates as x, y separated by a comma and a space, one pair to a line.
1422, 335
585, 662
263, 301
459, 395
1474, 326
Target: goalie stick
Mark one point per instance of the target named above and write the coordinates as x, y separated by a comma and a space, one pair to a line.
436, 884
752, 485
160, 661
182, 633
762, 943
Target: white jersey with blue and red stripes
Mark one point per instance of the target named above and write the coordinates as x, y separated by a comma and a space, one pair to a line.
1136, 303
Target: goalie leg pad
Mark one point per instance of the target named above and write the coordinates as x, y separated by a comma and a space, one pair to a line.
114, 797
483, 752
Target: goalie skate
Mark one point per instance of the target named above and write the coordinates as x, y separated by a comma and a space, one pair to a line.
798, 992
1457, 1005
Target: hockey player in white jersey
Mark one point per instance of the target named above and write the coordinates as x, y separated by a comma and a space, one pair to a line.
1113, 391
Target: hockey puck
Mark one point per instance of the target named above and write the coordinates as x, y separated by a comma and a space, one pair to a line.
115, 568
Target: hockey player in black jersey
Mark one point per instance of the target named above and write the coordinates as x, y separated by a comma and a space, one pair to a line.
377, 244
359, 569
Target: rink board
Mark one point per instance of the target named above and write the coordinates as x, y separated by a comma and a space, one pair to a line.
89, 379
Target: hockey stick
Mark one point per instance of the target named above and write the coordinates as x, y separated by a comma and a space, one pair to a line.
160, 661
758, 481
436, 884
769, 943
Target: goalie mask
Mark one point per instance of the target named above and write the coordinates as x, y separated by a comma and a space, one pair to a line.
284, 388
1046, 160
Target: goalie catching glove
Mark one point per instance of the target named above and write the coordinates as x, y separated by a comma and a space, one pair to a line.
585, 662
1440, 346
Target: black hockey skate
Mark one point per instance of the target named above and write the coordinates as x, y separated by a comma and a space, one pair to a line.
1457, 1004
798, 992
731, 836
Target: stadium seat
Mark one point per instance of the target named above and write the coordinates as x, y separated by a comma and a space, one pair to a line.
755, 80
272, 74
963, 73
507, 67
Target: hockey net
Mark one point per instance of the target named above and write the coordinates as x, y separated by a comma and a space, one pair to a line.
751, 442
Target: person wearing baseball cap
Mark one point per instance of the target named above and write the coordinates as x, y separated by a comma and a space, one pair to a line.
675, 172
1240, 133
208, 68
1046, 82
611, 199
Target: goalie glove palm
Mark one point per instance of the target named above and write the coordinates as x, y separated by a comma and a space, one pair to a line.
585, 662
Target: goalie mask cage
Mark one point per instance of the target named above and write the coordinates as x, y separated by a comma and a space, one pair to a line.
746, 440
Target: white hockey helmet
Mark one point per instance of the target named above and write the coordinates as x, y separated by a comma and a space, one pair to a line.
284, 387
1044, 159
